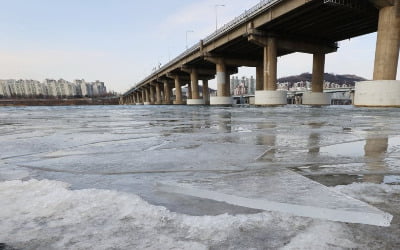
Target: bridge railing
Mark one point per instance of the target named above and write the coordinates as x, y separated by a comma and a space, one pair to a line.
239, 20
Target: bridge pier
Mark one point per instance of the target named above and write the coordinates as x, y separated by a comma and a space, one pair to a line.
143, 96
206, 93
384, 90
167, 92
317, 95
138, 101
134, 99
147, 96
178, 91
260, 77
269, 96
194, 82
158, 94
223, 86
152, 99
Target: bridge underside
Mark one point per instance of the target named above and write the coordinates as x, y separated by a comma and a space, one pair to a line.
316, 22
313, 26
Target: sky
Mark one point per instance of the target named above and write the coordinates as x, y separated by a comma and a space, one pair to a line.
121, 41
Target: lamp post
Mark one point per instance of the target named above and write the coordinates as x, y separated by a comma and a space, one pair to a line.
188, 31
216, 14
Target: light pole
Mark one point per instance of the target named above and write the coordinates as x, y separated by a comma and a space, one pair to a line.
216, 14
187, 37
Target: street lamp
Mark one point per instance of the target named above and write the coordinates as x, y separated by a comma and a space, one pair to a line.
216, 14
188, 31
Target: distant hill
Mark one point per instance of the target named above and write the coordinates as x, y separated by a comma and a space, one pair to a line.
349, 80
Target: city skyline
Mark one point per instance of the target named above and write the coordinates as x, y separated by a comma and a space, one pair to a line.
50, 88
121, 41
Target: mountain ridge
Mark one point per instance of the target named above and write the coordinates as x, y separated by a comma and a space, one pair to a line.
345, 79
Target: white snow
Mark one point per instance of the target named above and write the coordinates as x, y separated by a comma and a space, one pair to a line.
47, 214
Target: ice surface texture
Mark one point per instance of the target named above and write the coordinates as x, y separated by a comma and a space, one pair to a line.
282, 191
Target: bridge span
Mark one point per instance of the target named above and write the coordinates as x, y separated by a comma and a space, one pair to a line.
275, 28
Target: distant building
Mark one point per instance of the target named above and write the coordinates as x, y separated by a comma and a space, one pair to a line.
243, 86
51, 88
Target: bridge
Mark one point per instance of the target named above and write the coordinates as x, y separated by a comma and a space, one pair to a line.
275, 28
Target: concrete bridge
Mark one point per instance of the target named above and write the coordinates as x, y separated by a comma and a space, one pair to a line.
276, 28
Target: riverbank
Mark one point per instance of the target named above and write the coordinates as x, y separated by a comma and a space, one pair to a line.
59, 102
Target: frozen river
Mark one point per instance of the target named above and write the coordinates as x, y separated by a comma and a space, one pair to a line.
177, 177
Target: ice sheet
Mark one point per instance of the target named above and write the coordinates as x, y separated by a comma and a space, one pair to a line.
282, 191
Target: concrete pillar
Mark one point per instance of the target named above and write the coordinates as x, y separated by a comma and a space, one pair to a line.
158, 94
133, 98
227, 84
206, 93
317, 81
138, 97
147, 96
178, 91
387, 43
317, 97
223, 86
269, 96
152, 99
260, 77
194, 80
221, 79
167, 93
270, 64
189, 93
384, 90
143, 96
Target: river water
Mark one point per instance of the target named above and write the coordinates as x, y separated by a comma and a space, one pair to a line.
95, 177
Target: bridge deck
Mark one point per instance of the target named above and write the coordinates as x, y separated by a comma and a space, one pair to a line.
316, 21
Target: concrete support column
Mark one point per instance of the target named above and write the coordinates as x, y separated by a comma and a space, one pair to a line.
223, 86
269, 96
260, 77
270, 64
152, 99
143, 96
194, 80
221, 79
189, 93
206, 93
147, 96
178, 91
317, 81
317, 97
384, 90
133, 98
387, 43
167, 93
228, 84
158, 94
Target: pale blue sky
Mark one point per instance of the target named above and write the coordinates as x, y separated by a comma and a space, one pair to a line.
120, 41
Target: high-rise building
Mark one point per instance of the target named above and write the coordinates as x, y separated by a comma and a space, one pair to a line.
243, 86
51, 88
